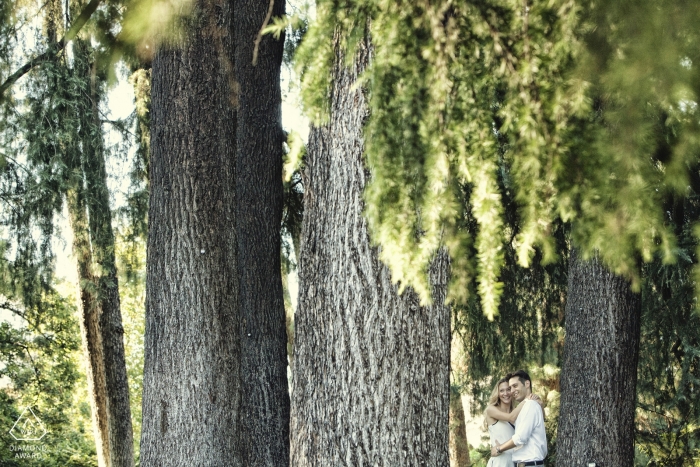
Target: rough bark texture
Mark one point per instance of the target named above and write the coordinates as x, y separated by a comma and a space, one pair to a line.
264, 415
459, 447
371, 368
599, 369
101, 321
191, 383
215, 380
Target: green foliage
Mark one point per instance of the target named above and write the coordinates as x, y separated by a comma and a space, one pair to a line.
668, 419
8, 34
39, 368
135, 211
148, 24
573, 92
528, 330
53, 136
293, 25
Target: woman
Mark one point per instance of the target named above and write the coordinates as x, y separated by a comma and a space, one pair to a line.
500, 418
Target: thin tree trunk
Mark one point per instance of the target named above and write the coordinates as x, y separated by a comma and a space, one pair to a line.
459, 447
191, 388
264, 415
371, 368
599, 369
89, 307
101, 321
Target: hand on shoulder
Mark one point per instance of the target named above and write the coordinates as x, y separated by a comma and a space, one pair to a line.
537, 399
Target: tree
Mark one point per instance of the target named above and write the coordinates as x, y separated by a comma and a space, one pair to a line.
669, 363
62, 143
599, 368
459, 446
258, 217
371, 366
191, 386
215, 389
94, 245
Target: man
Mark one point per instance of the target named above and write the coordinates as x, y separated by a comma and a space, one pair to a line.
530, 439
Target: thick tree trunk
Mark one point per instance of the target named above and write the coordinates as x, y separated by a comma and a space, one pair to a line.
216, 190
459, 447
599, 369
191, 385
101, 321
371, 368
264, 415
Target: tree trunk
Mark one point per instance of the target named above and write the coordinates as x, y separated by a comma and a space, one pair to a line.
89, 306
217, 190
599, 369
191, 384
371, 368
101, 321
264, 415
459, 447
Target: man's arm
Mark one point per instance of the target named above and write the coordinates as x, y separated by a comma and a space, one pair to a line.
497, 450
523, 429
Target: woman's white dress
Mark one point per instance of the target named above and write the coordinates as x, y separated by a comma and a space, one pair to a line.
501, 431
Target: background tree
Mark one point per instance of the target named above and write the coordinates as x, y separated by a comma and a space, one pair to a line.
258, 182
94, 246
668, 363
62, 142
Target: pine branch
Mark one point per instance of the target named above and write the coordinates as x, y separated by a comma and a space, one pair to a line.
6, 305
34, 366
54, 49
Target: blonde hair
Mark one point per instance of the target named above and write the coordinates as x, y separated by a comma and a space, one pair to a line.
495, 400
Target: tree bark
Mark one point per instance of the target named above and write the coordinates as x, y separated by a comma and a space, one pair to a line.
371, 368
459, 447
191, 385
264, 415
93, 245
599, 369
88, 305
217, 191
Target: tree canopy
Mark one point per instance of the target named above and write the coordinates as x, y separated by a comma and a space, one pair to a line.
589, 106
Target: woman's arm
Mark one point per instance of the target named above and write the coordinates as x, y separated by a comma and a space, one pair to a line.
496, 414
493, 412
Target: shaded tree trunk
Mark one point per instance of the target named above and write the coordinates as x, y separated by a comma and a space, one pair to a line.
371, 368
191, 384
215, 379
599, 369
93, 245
459, 447
264, 415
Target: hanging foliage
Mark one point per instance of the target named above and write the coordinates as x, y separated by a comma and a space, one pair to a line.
574, 88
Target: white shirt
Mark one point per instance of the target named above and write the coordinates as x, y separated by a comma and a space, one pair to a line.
530, 438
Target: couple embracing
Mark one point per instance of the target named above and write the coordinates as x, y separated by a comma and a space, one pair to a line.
517, 434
